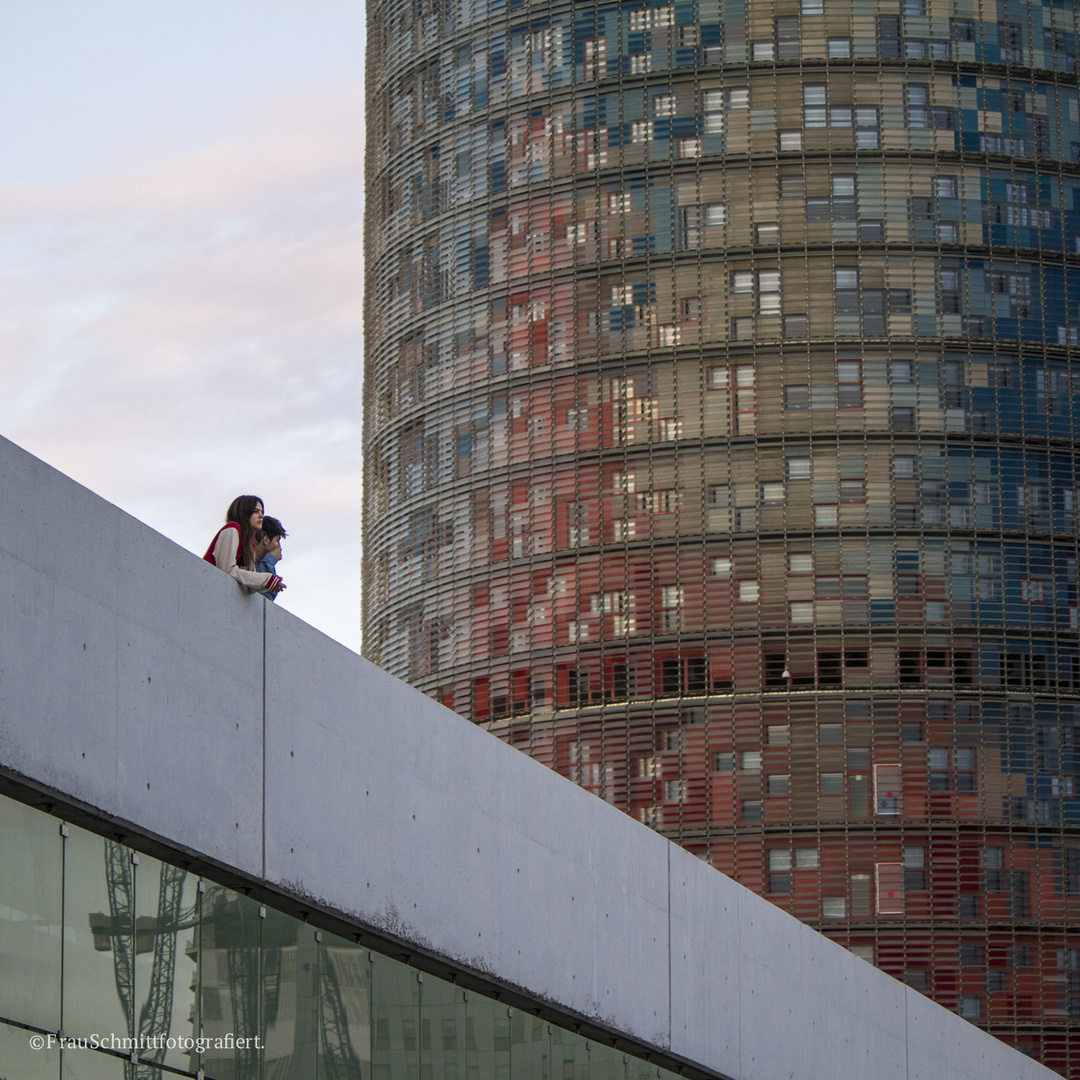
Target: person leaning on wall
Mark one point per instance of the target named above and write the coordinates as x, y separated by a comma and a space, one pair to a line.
233, 547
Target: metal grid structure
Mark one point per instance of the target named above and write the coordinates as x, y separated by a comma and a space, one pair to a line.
721, 440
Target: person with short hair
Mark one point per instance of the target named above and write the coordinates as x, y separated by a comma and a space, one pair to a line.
268, 548
233, 547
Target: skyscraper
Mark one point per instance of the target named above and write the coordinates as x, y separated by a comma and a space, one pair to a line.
722, 430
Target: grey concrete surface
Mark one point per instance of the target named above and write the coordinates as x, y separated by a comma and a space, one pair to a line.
141, 681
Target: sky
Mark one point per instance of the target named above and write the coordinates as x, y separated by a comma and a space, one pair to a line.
181, 205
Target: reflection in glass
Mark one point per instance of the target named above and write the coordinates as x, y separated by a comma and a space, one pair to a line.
99, 938
289, 996
229, 952
151, 950
443, 1014
344, 1010
166, 959
92, 1065
18, 1059
31, 858
487, 1038
395, 1016
531, 1041
568, 1054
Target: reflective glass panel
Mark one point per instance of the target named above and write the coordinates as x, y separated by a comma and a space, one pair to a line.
19, 1059
166, 960
99, 940
344, 1010
31, 858
229, 992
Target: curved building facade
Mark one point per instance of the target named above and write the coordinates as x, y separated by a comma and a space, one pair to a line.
722, 427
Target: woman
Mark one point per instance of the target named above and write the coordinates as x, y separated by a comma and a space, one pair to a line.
233, 549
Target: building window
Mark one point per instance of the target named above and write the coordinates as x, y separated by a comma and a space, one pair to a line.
698, 219
778, 784
825, 516
768, 283
798, 468
779, 870
801, 563
846, 281
962, 29
750, 761
843, 198
867, 129
594, 56
833, 907
748, 592
775, 671
993, 864
672, 596
1033, 591
787, 37
712, 103
914, 868
849, 384
674, 790
917, 100
951, 770
950, 300
815, 111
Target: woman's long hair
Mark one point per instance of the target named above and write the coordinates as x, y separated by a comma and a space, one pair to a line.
239, 512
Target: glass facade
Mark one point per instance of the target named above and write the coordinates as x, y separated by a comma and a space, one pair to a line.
102, 944
722, 416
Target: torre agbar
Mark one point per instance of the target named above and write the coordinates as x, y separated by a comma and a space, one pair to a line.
723, 445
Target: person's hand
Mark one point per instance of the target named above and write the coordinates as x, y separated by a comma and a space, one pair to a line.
280, 588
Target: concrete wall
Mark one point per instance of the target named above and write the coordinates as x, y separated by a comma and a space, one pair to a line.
141, 681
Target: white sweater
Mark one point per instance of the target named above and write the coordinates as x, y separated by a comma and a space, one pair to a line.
222, 554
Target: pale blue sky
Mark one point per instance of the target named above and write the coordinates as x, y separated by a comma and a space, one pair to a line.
181, 267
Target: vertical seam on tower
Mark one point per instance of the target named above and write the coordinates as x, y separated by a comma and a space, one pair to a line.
262, 837
671, 1033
